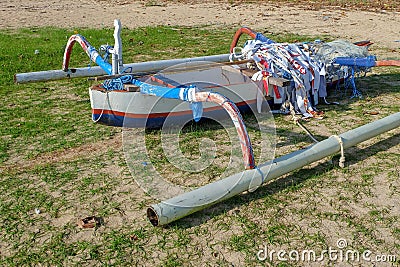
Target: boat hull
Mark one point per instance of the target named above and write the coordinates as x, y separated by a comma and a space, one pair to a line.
124, 108
155, 114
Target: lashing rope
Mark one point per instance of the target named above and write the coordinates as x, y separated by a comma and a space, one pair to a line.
342, 157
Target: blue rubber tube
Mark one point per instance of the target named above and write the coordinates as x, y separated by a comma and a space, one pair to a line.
366, 62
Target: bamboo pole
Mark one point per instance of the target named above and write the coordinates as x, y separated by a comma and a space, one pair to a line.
182, 205
150, 66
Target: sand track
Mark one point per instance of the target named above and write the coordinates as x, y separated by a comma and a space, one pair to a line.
383, 28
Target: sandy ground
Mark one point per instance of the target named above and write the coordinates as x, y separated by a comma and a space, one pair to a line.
383, 28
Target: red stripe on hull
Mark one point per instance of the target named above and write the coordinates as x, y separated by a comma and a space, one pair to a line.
163, 114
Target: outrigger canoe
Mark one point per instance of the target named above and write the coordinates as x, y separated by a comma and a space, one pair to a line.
262, 71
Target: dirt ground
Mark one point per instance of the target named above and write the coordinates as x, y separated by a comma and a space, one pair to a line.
381, 27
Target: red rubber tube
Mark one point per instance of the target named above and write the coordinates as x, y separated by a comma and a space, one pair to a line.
239, 33
70, 45
230, 107
380, 63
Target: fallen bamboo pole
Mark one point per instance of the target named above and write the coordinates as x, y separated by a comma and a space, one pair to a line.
150, 66
182, 205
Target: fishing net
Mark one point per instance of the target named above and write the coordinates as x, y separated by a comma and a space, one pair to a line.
327, 53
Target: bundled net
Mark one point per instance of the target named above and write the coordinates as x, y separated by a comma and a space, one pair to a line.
337, 57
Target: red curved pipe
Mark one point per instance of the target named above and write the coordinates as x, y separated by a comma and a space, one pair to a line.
68, 49
230, 107
238, 33
89, 50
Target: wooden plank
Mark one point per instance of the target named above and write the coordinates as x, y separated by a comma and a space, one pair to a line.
281, 82
131, 88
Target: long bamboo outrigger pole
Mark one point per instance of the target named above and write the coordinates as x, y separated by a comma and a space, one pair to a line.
182, 205
150, 66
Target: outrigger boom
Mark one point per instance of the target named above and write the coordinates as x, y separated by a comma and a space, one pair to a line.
139, 67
